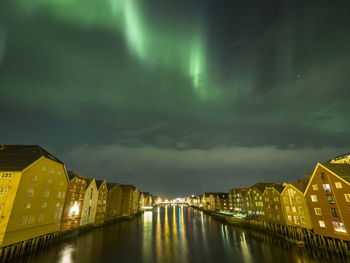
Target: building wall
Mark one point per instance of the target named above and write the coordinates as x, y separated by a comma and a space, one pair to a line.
255, 204
9, 182
39, 201
127, 203
89, 205
74, 203
101, 204
114, 203
323, 220
273, 206
236, 198
296, 211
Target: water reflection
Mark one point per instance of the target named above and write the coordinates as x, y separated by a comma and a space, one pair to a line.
175, 235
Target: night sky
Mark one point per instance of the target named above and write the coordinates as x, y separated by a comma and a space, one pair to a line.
178, 96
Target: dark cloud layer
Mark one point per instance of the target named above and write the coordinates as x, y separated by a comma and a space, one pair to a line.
177, 97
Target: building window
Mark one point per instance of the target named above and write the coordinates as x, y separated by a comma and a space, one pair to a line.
315, 187
338, 185
327, 188
30, 192
41, 217
43, 169
335, 212
44, 205
276, 199
61, 183
322, 224
52, 171
347, 197
292, 199
287, 209
298, 200
31, 219
296, 220
47, 193
294, 209
318, 211
27, 205
49, 180
301, 210
4, 190
302, 219
339, 227
289, 218
313, 198
330, 199
6, 175
59, 194
34, 178
285, 199
23, 220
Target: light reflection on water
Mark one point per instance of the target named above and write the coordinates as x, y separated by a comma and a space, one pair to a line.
173, 234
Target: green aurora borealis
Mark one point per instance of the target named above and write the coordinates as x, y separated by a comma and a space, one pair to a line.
154, 92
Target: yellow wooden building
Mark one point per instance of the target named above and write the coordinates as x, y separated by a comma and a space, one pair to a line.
89, 208
33, 186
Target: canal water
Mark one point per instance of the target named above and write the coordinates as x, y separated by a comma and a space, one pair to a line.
174, 234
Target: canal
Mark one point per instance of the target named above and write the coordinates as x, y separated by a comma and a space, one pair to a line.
174, 234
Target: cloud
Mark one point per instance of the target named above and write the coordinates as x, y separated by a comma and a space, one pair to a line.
173, 172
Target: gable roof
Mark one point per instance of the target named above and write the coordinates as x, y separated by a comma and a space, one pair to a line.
88, 181
18, 157
111, 185
261, 186
127, 187
340, 157
99, 182
342, 170
72, 175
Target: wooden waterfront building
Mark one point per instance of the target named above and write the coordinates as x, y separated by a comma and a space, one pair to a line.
219, 202
272, 203
33, 185
101, 202
74, 201
328, 198
130, 200
114, 202
90, 203
296, 211
254, 201
236, 199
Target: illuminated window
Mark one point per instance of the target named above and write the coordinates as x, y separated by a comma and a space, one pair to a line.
338, 185
30, 192
313, 198
49, 180
327, 188
27, 205
291, 192
276, 207
335, 212
294, 209
276, 199
43, 168
347, 197
315, 187
44, 205
330, 199
322, 224
318, 211
289, 218
298, 200
339, 227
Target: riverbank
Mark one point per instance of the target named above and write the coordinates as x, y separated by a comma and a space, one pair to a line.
34, 245
296, 235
